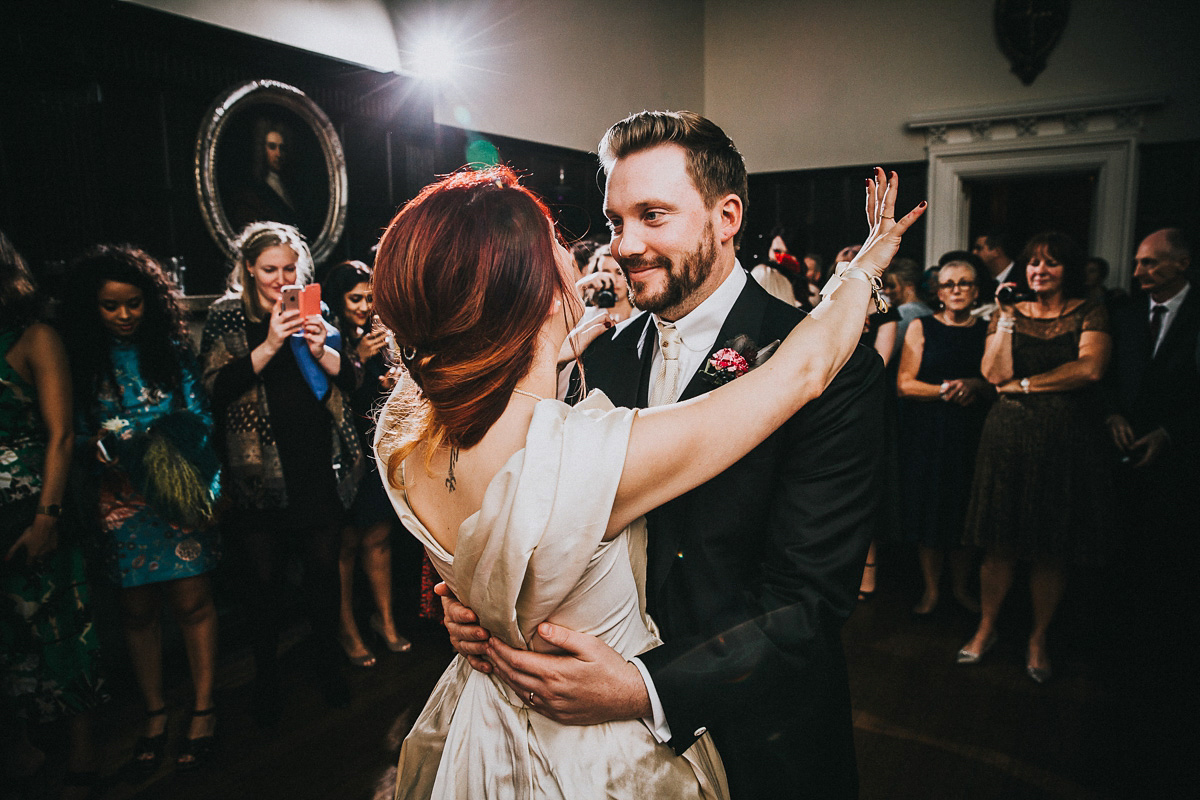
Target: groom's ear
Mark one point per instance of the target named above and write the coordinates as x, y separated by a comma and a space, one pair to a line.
730, 210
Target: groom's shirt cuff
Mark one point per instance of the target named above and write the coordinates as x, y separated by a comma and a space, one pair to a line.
657, 721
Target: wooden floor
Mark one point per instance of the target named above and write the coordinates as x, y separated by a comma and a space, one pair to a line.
925, 727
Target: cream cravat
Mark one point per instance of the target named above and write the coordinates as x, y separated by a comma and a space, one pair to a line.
668, 372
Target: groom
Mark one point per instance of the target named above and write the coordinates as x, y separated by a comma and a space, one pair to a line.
751, 576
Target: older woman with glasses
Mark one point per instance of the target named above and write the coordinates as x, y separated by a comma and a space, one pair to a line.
944, 400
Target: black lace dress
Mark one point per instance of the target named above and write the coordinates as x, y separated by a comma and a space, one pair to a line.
1044, 474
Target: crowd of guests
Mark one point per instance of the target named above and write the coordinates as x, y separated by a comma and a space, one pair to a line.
1011, 441
131, 462
1039, 420
1016, 382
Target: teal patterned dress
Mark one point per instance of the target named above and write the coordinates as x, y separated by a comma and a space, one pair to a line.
49, 652
140, 546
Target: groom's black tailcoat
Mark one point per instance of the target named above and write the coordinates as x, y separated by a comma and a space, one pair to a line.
752, 575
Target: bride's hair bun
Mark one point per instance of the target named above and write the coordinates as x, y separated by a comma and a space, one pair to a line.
464, 276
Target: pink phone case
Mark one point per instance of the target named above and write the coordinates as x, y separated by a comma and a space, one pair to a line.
310, 301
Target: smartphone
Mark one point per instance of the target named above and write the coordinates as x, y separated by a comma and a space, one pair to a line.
291, 298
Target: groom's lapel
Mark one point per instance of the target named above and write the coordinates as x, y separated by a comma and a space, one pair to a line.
626, 374
744, 318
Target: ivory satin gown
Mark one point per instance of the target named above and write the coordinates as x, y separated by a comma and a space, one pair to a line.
534, 552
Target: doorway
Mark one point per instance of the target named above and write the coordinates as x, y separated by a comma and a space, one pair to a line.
1023, 206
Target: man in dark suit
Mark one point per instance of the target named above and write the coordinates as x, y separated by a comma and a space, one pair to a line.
751, 576
1154, 417
1153, 388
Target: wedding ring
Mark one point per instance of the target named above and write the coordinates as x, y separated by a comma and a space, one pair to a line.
885, 216
531, 698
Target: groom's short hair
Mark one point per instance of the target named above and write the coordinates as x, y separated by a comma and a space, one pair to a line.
713, 162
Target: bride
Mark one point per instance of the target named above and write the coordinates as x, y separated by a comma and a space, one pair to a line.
531, 509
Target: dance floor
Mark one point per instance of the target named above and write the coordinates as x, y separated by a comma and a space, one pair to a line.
925, 727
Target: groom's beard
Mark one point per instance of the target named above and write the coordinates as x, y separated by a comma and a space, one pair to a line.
681, 281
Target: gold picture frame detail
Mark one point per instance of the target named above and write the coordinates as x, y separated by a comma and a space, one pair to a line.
230, 183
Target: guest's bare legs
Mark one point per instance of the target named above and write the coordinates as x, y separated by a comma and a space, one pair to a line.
995, 579
931, 559
347, 552
192, 604
81, 754
377, 563
960, 574
867, 586
1047, 581
143, 636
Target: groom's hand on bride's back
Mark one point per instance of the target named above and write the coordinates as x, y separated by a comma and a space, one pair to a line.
583, 682
467, 636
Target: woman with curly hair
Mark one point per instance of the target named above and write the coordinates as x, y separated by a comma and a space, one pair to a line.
280, 390
143, 429
48, 645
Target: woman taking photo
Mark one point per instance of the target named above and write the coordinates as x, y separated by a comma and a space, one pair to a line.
347, 289
1042, 480
137, 398
944, 399
603, 275
291, 455
532, 509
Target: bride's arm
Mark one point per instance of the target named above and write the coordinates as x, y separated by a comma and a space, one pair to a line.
675, 448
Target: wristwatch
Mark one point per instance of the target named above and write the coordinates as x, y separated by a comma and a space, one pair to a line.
1025, 385
52, 510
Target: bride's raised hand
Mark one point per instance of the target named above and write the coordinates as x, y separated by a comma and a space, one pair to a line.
883, 240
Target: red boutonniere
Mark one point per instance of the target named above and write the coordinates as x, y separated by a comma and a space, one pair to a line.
735, 359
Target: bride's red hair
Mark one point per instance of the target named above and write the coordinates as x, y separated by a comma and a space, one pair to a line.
464, 276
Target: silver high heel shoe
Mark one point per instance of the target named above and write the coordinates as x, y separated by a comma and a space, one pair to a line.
965, 656
401, 645
1039, 674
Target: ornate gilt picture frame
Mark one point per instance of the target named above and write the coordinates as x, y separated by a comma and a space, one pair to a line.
266, 151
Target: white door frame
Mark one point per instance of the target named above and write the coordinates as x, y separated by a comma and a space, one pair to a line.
1097, 134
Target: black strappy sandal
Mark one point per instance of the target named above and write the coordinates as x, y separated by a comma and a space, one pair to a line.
198, 751
149, 751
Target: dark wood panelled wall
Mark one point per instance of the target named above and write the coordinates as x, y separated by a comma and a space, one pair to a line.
101, 104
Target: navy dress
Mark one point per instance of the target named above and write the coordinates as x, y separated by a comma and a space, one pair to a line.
939, 440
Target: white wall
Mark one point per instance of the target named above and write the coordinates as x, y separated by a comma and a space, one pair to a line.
358, 31
796, 83
561, 72
832, 82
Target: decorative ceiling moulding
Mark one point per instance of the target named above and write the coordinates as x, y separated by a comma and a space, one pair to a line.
1096, 135
1044, 119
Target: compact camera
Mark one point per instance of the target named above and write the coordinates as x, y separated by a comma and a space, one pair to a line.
1011, 294
604, 298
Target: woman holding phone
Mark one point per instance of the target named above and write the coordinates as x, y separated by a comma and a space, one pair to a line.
286, 434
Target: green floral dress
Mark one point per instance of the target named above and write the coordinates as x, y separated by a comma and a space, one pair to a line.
48, 645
